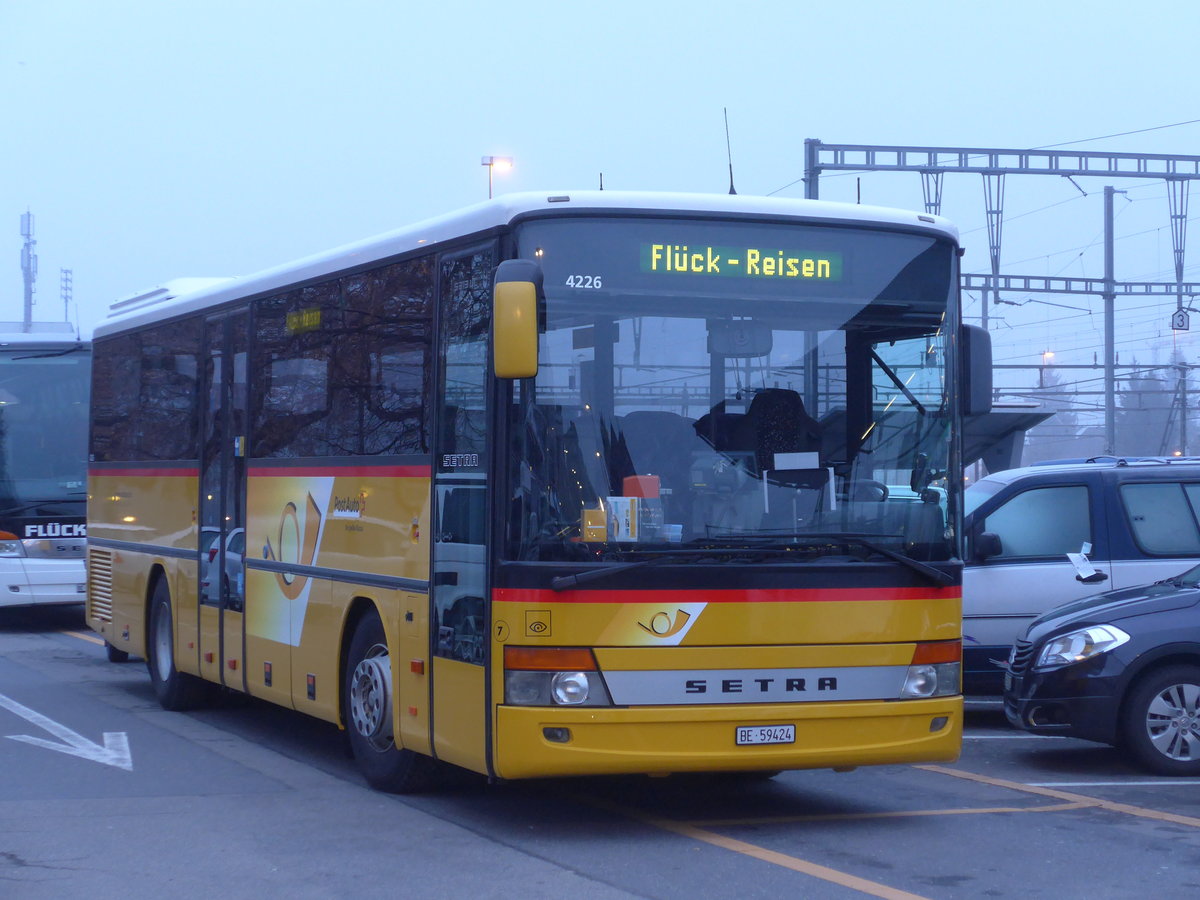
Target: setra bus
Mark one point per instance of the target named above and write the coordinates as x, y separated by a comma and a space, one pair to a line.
44, 380
556, 485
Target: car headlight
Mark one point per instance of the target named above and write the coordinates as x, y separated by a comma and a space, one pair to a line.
1076, 646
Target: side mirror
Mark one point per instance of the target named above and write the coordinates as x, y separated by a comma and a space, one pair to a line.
987, 545
975, 359
515, 295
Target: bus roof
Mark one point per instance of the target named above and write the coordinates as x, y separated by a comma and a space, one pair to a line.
186, 295
39, 333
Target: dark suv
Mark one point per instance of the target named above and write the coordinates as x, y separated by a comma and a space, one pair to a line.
1122, 668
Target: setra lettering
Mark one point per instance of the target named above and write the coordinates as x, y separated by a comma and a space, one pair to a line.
739, 685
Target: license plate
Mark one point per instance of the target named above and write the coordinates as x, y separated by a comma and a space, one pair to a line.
765, 734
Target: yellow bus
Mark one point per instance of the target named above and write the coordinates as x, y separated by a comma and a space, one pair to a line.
555, 485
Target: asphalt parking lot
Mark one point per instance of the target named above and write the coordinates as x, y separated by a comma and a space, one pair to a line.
243, 798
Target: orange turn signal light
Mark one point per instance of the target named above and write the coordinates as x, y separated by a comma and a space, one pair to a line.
550, 659
937, 652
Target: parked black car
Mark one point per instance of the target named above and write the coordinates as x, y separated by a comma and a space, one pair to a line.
1122, 668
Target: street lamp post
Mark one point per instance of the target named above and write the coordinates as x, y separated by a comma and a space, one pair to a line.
503, 163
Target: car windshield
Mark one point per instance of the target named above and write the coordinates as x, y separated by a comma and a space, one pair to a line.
690, 407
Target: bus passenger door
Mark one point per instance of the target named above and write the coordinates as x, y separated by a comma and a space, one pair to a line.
458, 569
223, 501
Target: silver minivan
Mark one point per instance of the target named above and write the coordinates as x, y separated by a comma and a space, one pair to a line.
1040, 536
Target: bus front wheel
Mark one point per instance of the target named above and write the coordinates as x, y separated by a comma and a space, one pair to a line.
175, 690
367, 714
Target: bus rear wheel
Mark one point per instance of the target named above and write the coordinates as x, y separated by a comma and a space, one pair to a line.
367, 714
175, 690
115, 655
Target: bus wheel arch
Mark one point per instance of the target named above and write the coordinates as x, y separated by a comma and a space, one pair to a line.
366, 709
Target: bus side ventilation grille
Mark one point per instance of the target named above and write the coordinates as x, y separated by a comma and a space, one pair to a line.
100, 582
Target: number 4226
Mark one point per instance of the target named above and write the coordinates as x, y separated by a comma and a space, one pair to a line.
583, 281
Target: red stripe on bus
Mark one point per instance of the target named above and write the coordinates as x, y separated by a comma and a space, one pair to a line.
338, 471
146, 473
782, 595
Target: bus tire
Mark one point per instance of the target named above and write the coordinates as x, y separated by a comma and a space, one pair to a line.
367, 714
114, 655
175, 690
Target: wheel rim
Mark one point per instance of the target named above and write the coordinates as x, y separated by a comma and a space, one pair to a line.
164, 662
371, 698
1173, 722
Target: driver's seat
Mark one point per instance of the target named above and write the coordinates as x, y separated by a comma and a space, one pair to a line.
777, 422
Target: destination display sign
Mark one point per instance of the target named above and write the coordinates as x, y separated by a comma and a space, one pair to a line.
655, 262
741, 262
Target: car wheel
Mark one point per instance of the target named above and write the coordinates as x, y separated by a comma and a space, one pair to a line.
367, 714
175, 690
115, 655
1161, 721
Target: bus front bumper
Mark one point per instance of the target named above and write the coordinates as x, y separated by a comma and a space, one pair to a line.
36, 582
529, 741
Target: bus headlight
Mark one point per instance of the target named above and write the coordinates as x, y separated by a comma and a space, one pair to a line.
935, 671
555, 689
570, 688
931, 680
12, 548
553, 676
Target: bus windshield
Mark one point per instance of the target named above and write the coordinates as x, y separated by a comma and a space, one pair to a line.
732, 384
43, 430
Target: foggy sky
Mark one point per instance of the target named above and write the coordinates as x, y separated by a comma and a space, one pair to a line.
156, 140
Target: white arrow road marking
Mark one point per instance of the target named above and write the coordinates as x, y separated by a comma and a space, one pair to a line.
115, 751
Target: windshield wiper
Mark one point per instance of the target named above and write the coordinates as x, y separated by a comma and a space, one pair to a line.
861, 540
563, 582
900, 385
1177, 581
78, 348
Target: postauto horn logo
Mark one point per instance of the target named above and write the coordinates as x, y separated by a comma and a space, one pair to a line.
295, 544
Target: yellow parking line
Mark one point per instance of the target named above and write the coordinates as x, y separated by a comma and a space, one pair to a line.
899, 814
90, 638
685, 829
1127, 809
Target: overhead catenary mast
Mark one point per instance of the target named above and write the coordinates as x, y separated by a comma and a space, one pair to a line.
28, 266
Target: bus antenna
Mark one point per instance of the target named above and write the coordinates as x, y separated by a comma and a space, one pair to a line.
728, 152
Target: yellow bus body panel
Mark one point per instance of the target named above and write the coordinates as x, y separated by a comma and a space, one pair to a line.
729, 618
153, 509
459, 713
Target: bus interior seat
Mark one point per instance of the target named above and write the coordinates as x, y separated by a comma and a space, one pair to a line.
660, 443
777, 422
717, 428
